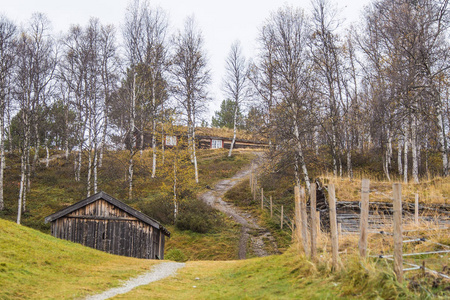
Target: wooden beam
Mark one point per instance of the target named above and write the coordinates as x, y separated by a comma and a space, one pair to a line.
364, 219
398, 237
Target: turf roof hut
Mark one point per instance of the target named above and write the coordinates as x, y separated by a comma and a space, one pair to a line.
104, 223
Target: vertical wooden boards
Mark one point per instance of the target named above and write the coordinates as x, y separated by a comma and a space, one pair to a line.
364, 219
333, 227
398, 237
304, 221
105, 226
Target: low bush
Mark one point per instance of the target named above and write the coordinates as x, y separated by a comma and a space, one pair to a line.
193, 214
197, 216
159, 208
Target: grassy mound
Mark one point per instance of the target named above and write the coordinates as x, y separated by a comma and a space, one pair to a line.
287, 276
34, 265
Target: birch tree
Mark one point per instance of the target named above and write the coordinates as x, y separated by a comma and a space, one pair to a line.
287, 32
8, 33
190, 79
235, 83
34, 72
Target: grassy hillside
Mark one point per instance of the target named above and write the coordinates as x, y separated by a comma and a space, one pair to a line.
34, 265
54, 188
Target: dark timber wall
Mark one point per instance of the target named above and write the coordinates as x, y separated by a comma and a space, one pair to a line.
102, 225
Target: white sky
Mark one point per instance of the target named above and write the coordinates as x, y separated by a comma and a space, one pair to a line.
222, 22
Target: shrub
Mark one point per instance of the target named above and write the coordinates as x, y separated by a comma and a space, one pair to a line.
159, 208
197, 216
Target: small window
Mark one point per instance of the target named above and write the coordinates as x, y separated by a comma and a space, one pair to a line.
216, 144
171, 140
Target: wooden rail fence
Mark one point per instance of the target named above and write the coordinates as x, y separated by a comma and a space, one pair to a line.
306, 230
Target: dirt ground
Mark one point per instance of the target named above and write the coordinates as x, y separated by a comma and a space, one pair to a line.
253, 237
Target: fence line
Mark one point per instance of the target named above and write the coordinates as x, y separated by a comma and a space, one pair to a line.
277, 212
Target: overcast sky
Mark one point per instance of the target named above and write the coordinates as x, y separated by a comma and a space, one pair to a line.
222, 22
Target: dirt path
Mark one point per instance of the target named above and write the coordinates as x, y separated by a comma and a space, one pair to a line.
250, 231
158, 272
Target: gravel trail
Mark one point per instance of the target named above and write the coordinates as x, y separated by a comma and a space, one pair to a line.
250, 229
158, 272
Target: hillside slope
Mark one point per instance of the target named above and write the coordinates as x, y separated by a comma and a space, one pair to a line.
34, 265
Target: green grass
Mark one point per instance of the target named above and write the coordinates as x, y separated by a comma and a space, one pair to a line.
34, 265
287, 276
218, 245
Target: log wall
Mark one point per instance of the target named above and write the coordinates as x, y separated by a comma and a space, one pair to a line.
102, 226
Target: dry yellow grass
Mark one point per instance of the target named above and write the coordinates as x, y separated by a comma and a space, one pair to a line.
436, 190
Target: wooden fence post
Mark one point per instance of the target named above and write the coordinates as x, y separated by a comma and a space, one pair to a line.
304, 221
333, 227
416, 210
398, 237
364, 218
313, 215
298, 222
281, 218
262, 199
271, 207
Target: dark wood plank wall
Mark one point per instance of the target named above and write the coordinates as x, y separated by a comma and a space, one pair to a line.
105, 227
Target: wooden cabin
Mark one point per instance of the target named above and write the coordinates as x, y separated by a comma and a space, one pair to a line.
203, 141
216, 142
107, 224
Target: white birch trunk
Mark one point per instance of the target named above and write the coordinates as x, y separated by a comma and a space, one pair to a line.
387, 159
21, 188
163, 141
442, 142
79, 160
95, 169
66, 132
234, 131
316, 140
154, 128
38, 146
89, 174
133, 140
405, 156
2, 158
415, 162
27, 173
47, 153
130, 178
154, 148
194, 154
301, 157
349, 164
399, 156
175, 201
